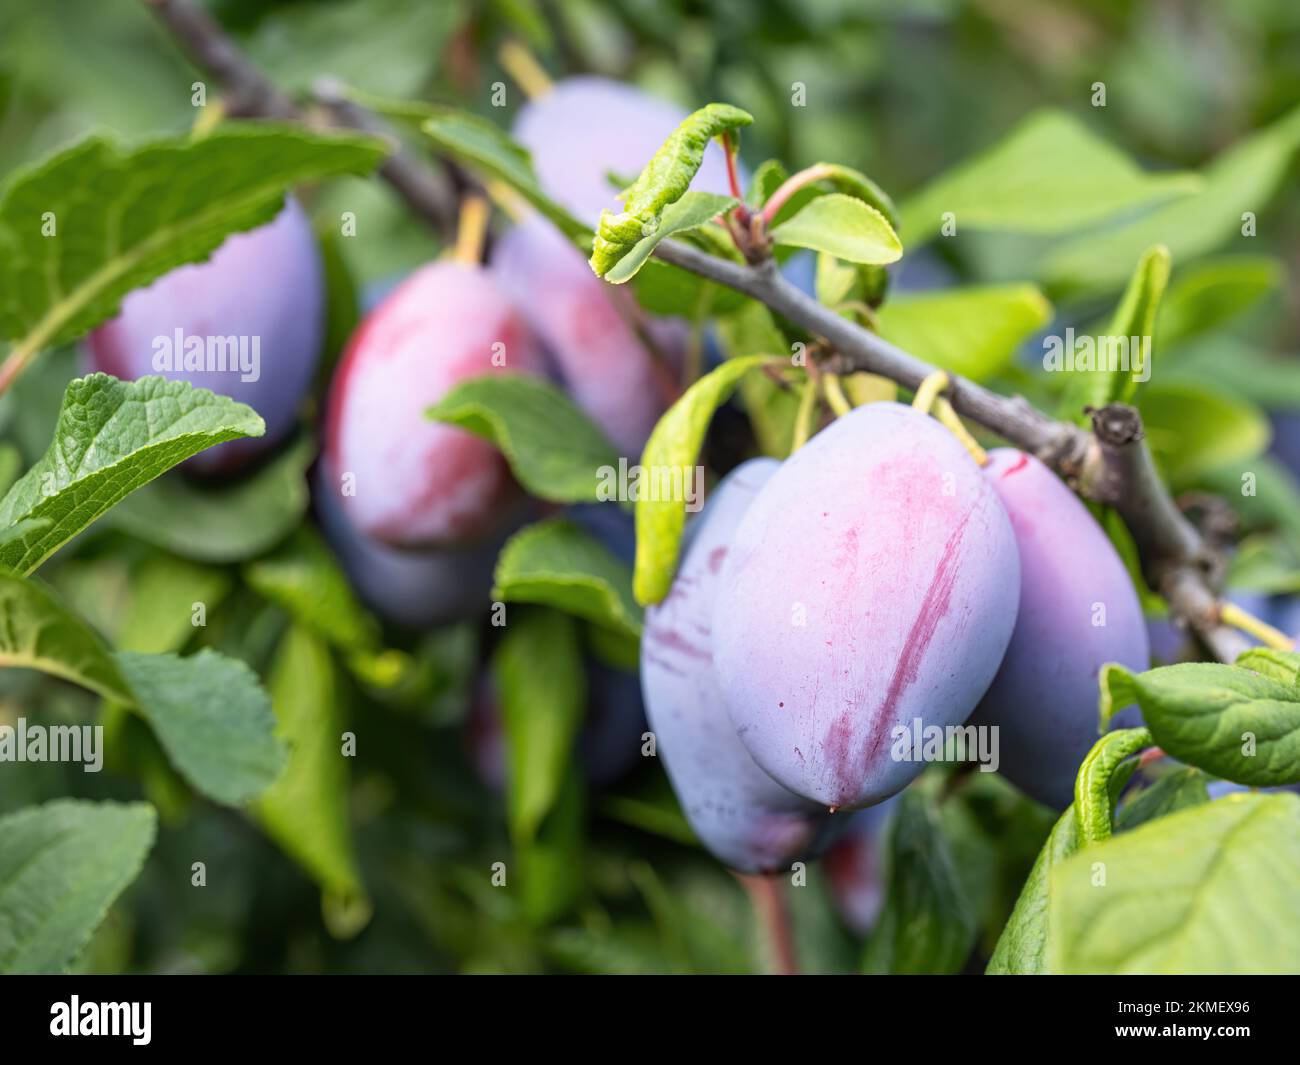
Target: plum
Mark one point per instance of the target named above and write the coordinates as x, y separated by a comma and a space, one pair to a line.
257, 305
610, 743
1078, 611
415, 482
584, 324
609, 523
586, 129
871, 588
744, 817
416, 588
1286, 439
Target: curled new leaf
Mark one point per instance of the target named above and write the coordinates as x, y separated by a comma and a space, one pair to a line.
664, 181
1094, 787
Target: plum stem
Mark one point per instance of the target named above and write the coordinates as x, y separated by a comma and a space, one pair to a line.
471, 231
767, 896
951, 421
209, 118
1231, 614
803, 419
523, 68
929, 390
835, 396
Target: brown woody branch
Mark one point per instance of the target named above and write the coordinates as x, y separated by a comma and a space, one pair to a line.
249, 94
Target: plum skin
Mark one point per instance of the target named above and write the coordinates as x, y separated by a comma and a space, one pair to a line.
418, 588
873, 582
744, 817
267, 283
419, 483
1044, 697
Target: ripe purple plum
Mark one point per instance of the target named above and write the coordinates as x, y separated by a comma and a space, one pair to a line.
586, 129
249, 321
416, 482
870, 594
610, 744
1286, 439
415, 588
609, 523
743, 816
1078, 611
585, 325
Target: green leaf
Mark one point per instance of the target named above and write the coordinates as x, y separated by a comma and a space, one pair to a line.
155, 207
550, 862
926, 925
1227, 720
1224, 363
489, 151
1048, 175
555, 563
670, 455
228, 522
974, 331
1022, 947
540, 684
1193, 429
850, 182
842, 226
303, 577
1269, 662
1174, 791
772, 409
769, 176
650, 805
693, 210
62, 865
1243, 178
212, 717
306, 810
1212, 889
1096, 781
1209, 293
159, 611
664, 181
554, 449
38, 632
112, 437
663, 289
1134, 319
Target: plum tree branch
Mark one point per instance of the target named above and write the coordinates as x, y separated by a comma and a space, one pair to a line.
1110, 465
250, 94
